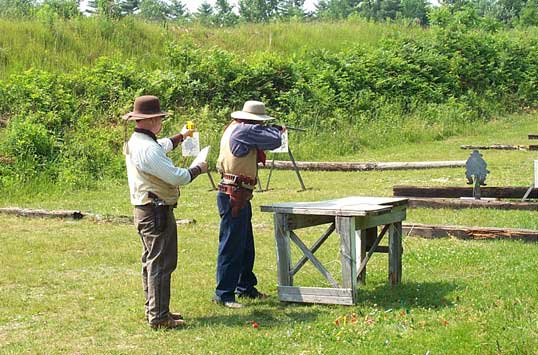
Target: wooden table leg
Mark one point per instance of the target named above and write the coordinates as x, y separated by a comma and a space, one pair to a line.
283, 252
345, 227
395, 253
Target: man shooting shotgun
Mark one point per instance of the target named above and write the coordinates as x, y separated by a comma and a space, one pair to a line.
242, 146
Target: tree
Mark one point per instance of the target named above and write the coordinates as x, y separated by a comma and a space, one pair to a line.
529, 14
106, 8
129, 7
153, 10
60, 8
388, 9
224, 14
415, 10
16, 8
177, 10
292, 8
204, 14
336, 9
258, 10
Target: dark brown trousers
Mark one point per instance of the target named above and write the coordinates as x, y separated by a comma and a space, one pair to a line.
158, 232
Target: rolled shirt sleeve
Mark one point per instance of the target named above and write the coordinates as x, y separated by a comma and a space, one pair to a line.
249, 136
155, 162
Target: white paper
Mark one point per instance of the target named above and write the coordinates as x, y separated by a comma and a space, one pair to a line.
190, 147
201, 157
284, 146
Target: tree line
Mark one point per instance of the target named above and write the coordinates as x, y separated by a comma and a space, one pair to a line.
223, 13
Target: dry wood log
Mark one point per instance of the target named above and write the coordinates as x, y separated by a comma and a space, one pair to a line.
533, 136
457, 192
452, 203
344, 166
28, 212
533, 147
463, 232
495, 146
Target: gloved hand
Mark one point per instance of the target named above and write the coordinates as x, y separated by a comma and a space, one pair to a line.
203, 167
185, 132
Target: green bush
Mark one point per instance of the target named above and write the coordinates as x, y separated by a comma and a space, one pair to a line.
68, 125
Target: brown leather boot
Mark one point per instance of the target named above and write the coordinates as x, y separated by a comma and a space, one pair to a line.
175, 316
169, 323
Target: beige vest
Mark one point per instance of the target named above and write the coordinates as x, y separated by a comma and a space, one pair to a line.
229, 164
146, 183
141, 183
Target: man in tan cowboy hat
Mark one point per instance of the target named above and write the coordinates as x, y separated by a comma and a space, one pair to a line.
241, 147
154, 185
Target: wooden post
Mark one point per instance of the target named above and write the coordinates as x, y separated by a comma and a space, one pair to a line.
395, 253
283, 253
345, 227
365, 240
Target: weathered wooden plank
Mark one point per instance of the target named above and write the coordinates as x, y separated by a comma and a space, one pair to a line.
345, 227
314, 248
397, 214
463, 232
283, 252
457, 192
495, 147
533, 136
297, 221
313, 259
365, 166
316, 295
418, 202
395, 253
317, 208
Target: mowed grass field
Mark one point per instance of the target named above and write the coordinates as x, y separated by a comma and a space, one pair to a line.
74, 287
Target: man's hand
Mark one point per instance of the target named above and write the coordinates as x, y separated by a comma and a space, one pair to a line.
185, 132
203, 167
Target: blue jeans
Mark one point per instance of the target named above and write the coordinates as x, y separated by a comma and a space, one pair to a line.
236, 252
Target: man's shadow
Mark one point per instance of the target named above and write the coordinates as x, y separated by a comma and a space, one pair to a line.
273, 316
407, 295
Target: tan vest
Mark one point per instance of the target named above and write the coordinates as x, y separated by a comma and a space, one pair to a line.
141, 183
146, 183
229, 164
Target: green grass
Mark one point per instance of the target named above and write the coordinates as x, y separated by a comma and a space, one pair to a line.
74, 286
61, 46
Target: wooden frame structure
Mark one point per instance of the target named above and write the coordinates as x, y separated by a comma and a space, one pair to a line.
356, 220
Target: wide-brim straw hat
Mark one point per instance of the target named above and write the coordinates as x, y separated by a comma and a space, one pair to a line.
253, 111
145, 107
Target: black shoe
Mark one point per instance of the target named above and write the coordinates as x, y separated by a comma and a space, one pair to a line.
254, 295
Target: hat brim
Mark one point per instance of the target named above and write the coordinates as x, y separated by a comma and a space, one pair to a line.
242, 115
132, 116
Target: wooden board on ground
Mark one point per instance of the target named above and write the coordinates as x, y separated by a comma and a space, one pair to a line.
455, 203
463, 232
516, 192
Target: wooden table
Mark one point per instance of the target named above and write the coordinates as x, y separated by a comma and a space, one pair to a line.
355, 219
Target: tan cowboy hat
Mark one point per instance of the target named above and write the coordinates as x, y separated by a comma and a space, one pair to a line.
252, 110
145, 107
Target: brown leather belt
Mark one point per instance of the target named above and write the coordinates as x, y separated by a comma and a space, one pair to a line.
239, 180
239, 196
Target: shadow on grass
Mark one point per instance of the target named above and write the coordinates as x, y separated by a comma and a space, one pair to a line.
408, 295
275, 315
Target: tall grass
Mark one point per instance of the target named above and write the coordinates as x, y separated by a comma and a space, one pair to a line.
61, 45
